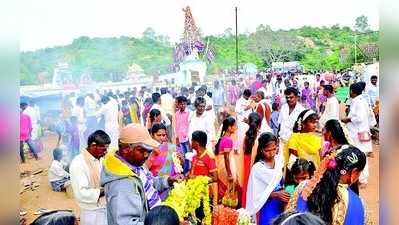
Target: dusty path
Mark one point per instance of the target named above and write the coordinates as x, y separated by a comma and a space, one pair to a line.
44, 197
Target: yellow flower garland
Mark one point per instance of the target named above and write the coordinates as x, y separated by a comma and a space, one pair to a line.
186, 197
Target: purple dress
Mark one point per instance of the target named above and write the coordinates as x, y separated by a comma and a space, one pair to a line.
307, 98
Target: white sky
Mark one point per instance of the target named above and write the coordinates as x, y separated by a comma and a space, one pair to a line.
48, 23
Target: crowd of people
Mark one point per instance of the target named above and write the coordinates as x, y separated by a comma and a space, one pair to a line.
288, 147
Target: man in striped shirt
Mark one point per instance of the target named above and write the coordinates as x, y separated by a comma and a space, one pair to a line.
130, 189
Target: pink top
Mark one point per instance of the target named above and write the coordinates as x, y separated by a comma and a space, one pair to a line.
225, 145
181, 127
25, 127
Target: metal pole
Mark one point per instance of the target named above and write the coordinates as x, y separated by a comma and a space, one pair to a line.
236, 44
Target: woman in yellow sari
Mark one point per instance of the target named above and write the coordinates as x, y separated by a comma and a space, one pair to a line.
134, 109
304, 142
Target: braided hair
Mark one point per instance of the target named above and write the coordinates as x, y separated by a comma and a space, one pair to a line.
228, 122
324, 196
337, 132
254, 121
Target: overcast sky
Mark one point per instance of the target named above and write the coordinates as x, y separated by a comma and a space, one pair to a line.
49, 23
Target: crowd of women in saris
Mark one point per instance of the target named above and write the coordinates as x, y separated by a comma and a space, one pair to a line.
312, 172
291, 167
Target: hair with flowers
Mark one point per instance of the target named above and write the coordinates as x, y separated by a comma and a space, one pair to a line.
320, 191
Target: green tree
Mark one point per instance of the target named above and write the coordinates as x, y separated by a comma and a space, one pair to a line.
149, 33
361, 24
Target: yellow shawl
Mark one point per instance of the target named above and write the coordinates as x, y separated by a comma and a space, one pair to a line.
307, 145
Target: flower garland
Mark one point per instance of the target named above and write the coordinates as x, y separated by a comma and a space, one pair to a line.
176, 163
244, 218
187, 196
224, 215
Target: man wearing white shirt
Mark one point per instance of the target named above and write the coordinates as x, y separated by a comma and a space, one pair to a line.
78, 112
243, 107
201, 120
288, 115
332, 106
279, 86
358, 125
372, 90
110, 111
85, 172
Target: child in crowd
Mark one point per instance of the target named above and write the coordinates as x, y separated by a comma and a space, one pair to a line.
301, 170
274, 118
203, 164
181, 128
304, 142
58, 177
154, 117
162, 215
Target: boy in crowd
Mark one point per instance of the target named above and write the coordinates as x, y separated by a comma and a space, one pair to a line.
181, 128
58, 177
203, 164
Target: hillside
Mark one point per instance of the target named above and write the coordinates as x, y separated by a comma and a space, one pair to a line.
324, 48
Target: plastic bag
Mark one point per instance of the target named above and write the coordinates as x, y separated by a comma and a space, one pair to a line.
230, 198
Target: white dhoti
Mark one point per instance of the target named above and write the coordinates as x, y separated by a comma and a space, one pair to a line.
365, 147
35, 132
93, 217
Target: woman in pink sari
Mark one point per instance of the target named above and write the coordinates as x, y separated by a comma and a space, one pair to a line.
233, 93
161, 162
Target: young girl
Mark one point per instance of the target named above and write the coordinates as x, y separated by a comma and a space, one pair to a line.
248, 149
301, 170
153, 117
304, 143
335, 135
328, 194
266, 195
223, 157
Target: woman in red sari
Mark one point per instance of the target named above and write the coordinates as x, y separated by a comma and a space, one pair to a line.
248, 152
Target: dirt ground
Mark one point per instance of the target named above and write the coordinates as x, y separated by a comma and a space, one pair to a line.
43, 197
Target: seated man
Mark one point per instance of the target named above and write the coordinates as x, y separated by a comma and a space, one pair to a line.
130, 189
